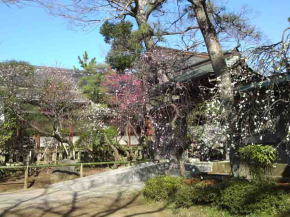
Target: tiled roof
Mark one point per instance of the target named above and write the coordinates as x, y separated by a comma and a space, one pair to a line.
266, 82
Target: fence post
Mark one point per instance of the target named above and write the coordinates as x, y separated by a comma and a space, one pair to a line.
81, 171
26, 178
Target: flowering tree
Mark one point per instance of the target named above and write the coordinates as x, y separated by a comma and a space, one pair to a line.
264, 106
16, 81
260, 113
126, 98
59, 101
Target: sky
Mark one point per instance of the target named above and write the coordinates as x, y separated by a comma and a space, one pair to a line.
30, 34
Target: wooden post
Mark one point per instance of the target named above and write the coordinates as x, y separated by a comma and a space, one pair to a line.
26, 178
81, 171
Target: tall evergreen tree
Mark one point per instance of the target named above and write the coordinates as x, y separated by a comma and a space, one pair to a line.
125, 48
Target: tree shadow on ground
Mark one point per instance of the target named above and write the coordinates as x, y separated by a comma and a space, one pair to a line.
100, 195
119, 204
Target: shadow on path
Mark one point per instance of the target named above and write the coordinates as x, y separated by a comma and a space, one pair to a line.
120, 204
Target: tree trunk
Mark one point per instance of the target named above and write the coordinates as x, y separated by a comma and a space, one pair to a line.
217, 59
142, 21
171, 139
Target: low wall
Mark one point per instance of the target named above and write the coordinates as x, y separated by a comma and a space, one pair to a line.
144, 171
279, 171
127, 175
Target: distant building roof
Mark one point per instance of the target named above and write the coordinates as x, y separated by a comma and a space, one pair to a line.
189, 65
266, 81
43, 72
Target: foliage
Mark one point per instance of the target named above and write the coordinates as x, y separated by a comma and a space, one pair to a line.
124, 48
242, 197
90, 84
115, 33
16, 81
184, 196
237, 196
120, 60
7, 130
198, 194
89, 66
91, 87
162, 187
20, 67
258, 157
205, 194
97, 143
15, 76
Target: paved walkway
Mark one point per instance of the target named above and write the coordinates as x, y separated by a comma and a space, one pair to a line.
52, 195
111, 184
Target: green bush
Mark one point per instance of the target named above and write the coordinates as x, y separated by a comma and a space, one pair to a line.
243, 197
259, 158
237, 196
259, 155
205, 194
162, 187
199, 194
184, 196
270, 202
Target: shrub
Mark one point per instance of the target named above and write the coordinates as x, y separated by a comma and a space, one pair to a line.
270, 201
259, 158
199, 193
205, 194
243, 197
184, 196
238, 196
162, 187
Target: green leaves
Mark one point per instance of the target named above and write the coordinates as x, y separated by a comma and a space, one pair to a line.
162, 187
241, 197
91, 87
259, 158
259, 155
7, 129
125, 44
91, 83
116, 31
89, 66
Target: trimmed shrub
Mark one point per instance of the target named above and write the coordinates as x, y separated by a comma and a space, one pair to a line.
270, 202
238, 196
205, 194
243, 197
199, 194
184, 196
162, 187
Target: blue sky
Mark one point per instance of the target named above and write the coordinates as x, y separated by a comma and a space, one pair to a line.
31, 34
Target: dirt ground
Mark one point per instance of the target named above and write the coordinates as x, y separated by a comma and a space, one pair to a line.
40, 178
113, 205
117, 205
93, 203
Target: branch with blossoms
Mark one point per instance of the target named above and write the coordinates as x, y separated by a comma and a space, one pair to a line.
126, 98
